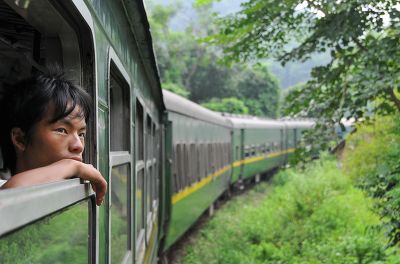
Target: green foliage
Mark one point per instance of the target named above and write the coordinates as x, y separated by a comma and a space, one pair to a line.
362, 77
226, 105
186, 64
316, 216
259, 90
175, 89
61, 238
371, 159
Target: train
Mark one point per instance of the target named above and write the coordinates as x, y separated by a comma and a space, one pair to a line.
166, 159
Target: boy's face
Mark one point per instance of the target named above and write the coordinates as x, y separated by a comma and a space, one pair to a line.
51, 142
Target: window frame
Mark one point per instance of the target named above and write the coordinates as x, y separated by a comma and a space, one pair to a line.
54, 197
118, 158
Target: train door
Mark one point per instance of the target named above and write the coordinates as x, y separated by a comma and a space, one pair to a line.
33, 219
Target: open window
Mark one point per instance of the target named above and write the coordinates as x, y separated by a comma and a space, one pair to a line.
34, 34
120, 166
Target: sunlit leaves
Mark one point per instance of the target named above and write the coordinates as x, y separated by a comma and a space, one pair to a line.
362, 36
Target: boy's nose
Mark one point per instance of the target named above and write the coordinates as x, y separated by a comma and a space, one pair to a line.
76, 144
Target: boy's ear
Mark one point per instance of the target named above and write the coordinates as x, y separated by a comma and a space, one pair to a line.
18, 138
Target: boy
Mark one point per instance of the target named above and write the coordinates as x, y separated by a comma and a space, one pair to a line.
43, 132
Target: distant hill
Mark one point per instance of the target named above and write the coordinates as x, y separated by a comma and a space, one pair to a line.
289, 75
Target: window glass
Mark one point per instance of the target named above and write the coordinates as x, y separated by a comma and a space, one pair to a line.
59, 238
148, 189
119, 214
139, 131
174, 165
193, 163
179, 163
198, 163
119, 114
139, 202
120, 175
140, 172
149, 139
186, 165
210, 158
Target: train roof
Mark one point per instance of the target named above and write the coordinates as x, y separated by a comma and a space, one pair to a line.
254, 122
137, 17
306, 123
183, 106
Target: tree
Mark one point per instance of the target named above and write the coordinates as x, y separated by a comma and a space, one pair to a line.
259, 90
226, 105
362, 76
192, 69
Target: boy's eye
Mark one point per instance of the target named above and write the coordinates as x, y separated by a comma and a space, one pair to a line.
82, 135
61, 130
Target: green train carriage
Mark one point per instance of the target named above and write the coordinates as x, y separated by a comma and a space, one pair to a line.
257, 146
294, 132
106, 47
200, 147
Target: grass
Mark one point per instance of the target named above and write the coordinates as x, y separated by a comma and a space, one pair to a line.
314, 216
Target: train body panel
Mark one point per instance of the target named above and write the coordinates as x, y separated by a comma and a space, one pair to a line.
200, 162
260, 145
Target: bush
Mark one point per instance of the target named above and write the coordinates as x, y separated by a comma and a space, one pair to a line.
371, 159
308, 217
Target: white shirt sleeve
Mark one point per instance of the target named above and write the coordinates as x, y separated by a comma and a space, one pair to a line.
2, 182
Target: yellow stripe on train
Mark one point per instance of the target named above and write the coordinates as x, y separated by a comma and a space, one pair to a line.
193, 188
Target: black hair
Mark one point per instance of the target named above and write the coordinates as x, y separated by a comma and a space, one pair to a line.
26, 103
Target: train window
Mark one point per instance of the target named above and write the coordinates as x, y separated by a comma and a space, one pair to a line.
227, 154
139, 132
139, 208
193, 163
219, 155
246, 151
120, 165
156, 146
174, 170
209, 158
237, 153
200, 161
149, 194
119, 213
149, 173
119, 113
33, 34
61, 237
140, 176
186, 164
222, 153
179, 162
212, 158
203, 161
